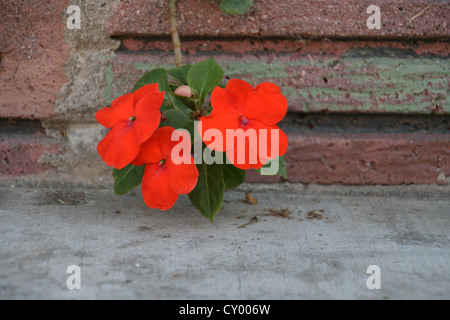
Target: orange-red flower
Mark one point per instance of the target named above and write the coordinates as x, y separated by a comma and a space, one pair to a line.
240, 106
132, 118
164, 180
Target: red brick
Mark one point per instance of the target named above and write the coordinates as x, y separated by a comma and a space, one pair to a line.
19, 155
369, 158
32, 57
290, 18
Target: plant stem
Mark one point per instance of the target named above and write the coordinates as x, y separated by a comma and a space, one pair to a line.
173, 27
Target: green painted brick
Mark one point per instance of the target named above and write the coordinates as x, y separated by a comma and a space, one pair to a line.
355, 81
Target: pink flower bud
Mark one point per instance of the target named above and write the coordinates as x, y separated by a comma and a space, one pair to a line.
183, 91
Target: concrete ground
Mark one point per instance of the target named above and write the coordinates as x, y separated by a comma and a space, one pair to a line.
298, 242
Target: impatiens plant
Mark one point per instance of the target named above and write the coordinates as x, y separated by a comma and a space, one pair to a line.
240, 106
132, 118
163, 179
170, 138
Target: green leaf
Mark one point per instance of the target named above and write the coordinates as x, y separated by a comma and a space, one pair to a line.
204, 77
178, 104
282, 171
159, 76
232, 176
128, 178
189, 126
175, 118
193, 131
236, 6
207, 195
180, 73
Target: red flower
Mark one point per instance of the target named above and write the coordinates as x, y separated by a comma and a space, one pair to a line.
164, 180
240, 105
132, 118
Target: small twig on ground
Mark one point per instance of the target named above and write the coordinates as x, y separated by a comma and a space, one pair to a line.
315, 214
420, 13
250, 199
173, 27
251, 221
283, 213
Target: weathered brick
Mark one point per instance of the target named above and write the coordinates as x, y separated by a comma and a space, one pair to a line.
366, 158
316, 76
32, 57
19, 155
290, 18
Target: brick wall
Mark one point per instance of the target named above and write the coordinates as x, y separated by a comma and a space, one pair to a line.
365, 106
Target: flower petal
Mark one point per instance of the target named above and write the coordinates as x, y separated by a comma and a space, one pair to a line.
164, 136
250, 159
268, 88
218, 120
142, 91
158, 147
117, 148
283, 143
266, 104
254, 153
121, 110
155, 188
232, 98
149, 153
265, 141
182, 177
147, 116
239, 89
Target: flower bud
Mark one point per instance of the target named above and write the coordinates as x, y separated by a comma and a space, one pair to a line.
183, 91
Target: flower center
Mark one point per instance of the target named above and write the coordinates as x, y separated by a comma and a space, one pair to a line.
243, 120
132, 118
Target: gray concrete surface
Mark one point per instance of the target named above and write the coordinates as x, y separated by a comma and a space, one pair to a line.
127, 251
